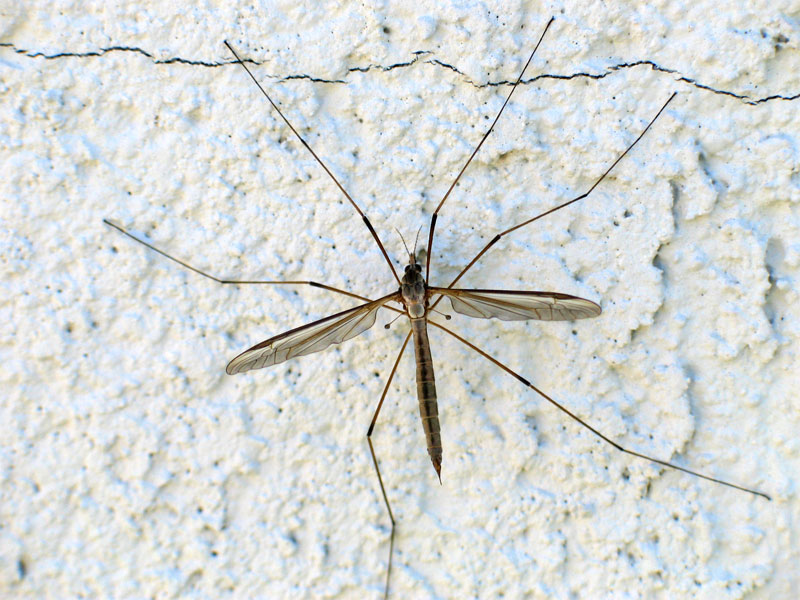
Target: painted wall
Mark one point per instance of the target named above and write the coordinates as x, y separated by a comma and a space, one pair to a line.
132, 466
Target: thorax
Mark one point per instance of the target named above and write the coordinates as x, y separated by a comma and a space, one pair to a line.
414, 291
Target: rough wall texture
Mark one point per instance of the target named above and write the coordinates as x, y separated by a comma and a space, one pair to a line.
131, 466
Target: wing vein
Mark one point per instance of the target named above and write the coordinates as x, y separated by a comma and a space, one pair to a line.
514, 305
310, 338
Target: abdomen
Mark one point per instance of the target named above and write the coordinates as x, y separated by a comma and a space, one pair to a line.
426, 393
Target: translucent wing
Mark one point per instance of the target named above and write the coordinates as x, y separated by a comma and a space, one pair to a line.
518, 306
310, 338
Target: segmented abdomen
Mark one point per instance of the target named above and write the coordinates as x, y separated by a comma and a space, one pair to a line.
426, 392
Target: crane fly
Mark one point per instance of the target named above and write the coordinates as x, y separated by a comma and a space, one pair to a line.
415, 299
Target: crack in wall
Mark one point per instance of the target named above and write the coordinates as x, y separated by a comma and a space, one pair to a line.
417, 57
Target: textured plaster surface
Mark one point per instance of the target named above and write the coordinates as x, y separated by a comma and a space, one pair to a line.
131, 466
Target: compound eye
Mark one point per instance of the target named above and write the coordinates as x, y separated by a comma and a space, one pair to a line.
418, 268
408, 268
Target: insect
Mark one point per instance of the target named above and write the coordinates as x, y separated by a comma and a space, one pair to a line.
416, 299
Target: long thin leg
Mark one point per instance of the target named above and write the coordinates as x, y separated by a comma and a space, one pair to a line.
496, 238
322, 164
589, 427
375, 462
231, 281
474, 152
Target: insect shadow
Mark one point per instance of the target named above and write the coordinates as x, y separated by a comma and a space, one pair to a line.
415, 299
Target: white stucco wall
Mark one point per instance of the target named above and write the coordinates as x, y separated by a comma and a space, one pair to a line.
131, 466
